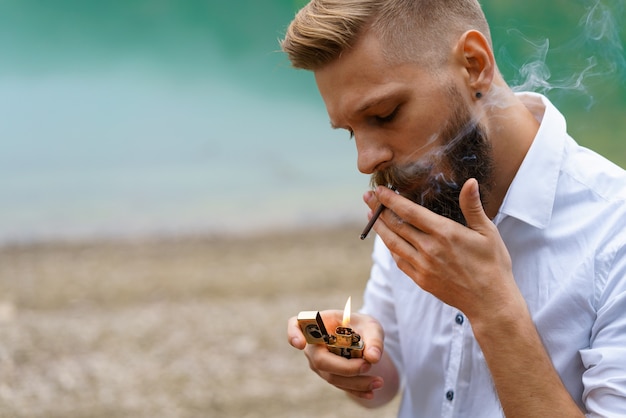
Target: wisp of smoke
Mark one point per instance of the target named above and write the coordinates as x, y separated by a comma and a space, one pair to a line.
435, 179
599, 32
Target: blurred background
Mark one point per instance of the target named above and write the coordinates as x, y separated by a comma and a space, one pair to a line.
170, 193
161, 116
158, 116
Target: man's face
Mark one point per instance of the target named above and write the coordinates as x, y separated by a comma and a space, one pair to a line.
435, 179
412, 130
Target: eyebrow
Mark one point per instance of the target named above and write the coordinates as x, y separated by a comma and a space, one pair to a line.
375, 101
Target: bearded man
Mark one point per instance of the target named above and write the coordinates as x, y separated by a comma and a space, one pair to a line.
499, 278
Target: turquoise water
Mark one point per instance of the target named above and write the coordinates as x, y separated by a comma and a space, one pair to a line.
161, 117
152, 117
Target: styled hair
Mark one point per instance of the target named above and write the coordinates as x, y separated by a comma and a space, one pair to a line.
410, 30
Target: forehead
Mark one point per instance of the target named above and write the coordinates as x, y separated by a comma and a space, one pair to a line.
363, 77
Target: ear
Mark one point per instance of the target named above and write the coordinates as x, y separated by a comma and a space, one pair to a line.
475, 56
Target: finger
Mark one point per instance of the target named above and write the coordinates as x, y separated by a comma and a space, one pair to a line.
323, 361
359, 385
362, 395
472, 207
370, 199
375, 384
401, 238
410, 212
405, 245
294, 334
372, 335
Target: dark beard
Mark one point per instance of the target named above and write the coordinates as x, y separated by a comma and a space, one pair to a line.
435, 181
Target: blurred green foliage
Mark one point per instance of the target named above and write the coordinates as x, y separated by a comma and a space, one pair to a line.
584, 58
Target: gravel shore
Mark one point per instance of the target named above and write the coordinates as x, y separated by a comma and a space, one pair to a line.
176, 327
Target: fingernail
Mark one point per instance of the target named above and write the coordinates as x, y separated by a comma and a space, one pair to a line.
376, 384
295, 341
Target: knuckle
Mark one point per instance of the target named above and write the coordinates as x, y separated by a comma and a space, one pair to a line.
393, 245
447, 229
403, 265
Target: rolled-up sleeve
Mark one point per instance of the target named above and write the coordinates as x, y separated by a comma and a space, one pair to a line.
605, 359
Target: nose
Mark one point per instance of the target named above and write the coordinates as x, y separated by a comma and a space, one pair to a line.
371, 154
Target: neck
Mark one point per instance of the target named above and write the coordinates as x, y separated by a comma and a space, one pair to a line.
511, 128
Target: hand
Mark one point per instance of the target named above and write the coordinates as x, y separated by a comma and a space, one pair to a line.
350, 375
466, 267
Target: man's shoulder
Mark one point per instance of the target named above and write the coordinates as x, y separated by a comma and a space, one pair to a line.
595, 173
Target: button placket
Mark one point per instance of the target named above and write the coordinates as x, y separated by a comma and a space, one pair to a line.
452, 374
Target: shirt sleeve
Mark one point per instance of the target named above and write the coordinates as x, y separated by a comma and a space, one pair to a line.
379, 301
605, 359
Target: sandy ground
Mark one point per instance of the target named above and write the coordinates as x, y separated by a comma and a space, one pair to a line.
178, 327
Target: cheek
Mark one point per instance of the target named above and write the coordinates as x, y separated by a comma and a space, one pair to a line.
415, 147
421, 136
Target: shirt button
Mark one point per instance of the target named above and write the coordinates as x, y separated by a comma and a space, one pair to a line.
459, 319
450, 395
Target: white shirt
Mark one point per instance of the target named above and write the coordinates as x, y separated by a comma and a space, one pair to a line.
563, 221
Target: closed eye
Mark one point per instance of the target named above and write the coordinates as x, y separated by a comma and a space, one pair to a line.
388, 118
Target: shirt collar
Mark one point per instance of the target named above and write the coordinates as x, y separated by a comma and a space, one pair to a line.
531, 195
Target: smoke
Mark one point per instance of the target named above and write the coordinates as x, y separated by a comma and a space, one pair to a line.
595, 53
435, 179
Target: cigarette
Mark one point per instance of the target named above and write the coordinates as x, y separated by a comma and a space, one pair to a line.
370, 224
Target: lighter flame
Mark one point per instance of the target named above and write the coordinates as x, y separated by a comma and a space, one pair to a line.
346, 313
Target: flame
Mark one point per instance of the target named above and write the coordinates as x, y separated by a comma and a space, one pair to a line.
346, 313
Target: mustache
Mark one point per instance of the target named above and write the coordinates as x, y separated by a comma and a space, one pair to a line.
413, 181
444, 169
435, 180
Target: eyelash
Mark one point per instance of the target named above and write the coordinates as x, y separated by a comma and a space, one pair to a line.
381, 120
388, 118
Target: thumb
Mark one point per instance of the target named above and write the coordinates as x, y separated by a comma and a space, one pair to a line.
294, 334
373, 337
472, 207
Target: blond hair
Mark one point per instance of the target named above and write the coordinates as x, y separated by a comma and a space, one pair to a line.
409, 30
